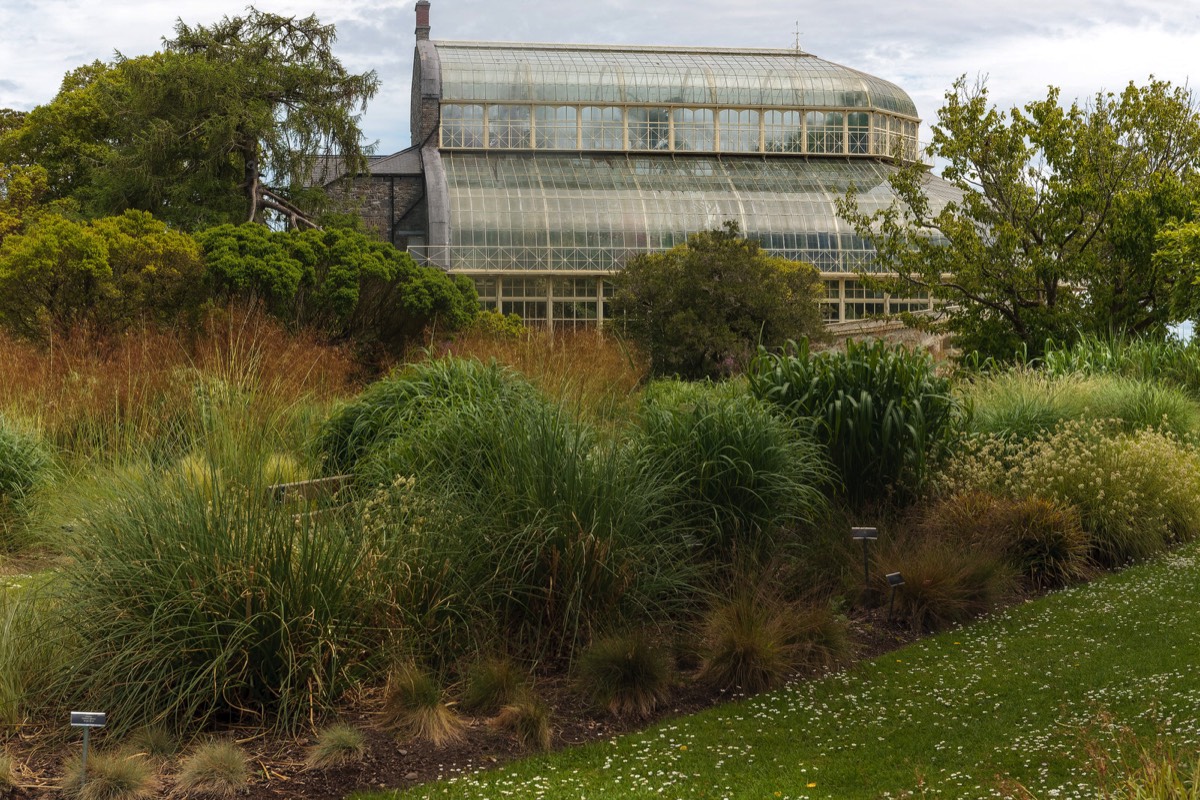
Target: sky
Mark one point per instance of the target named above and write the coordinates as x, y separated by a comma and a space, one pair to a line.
1019, 46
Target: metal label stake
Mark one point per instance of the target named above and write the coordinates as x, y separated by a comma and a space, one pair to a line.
86, 720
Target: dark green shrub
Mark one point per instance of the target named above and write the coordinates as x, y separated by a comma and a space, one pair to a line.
742, 470
881, 411
626, 674
406, 398
701, 308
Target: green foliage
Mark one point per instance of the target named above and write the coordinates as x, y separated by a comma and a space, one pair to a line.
490, 323
743, 471
1178, 254
111, 776
338, 280
492, 683
538, 533
336, 745
408, 397
108, 274
701, 308
1053, 233
626, 674
187, 132
1135, 492
1023, 404
214, 769
882, 412
413, 708
155, 742
23, 461
192, 601
24, 197
1146, 359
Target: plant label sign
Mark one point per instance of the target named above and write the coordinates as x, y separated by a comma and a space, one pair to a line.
87, 719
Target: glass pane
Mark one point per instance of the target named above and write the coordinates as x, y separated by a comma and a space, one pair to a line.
508, 126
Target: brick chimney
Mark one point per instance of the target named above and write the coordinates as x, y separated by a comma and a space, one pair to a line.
422, 19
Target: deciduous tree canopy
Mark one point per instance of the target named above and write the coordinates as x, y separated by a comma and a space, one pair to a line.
1055, 233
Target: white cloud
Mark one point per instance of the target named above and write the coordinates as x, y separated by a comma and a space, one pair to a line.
1022, 45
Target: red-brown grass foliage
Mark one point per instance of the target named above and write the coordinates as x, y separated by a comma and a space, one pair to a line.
594, 373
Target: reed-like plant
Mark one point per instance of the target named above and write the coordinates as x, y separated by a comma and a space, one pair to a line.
1163, 362
882, 411
743, 471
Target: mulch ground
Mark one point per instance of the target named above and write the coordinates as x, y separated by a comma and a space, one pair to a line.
278, 765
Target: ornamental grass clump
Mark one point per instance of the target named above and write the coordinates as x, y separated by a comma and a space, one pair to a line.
528, 720
214, 769
413, 708
1043, 540
882, 412
626, 674
192, 601
491, 684
1135, 492
110, 776
548, 531
742, 470
1023, 404
754, 641
410, 396
945, 583
336, 745
1169, 363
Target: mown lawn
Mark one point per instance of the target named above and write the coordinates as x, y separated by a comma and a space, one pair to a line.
956, 715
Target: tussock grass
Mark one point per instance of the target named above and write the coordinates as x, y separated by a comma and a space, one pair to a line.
528, 720
754, 641
1042, 539
491, 684
214, 769
336, 745
111, 776
156, 742
626, 674
8, 773
945, 583
413, 708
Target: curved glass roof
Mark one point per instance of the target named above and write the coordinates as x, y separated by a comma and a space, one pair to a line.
589, 213
591, 74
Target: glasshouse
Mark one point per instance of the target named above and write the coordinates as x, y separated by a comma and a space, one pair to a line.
539, 169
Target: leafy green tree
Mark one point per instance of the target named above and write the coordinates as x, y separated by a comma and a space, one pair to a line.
702, 308
1178, 252
225, 124
1054, 232
339, 280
